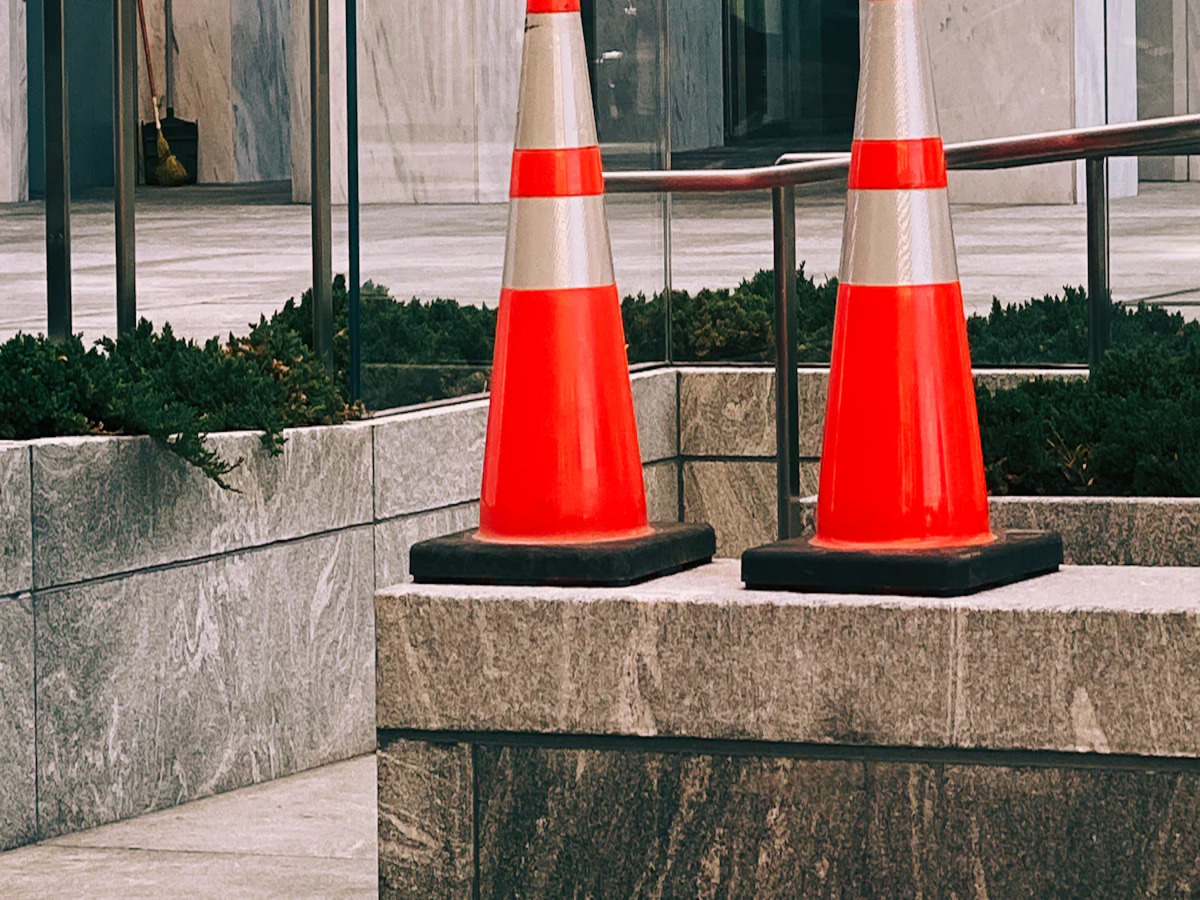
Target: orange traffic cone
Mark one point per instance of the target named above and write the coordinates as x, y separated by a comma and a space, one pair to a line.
903, 501
563, 499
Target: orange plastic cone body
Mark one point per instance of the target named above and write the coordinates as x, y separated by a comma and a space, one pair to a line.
562, 463
902, 465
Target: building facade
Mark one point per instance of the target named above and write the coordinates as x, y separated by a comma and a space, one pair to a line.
696, 82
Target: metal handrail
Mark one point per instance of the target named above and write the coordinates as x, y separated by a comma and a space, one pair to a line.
1154, 137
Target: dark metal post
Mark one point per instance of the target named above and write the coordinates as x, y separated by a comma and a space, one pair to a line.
783, 218
789, 199
322, 220
125, 145
58, 172
1099, 292
664, 70
353, 199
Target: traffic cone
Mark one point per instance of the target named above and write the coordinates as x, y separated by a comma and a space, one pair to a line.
563, 500
903, 502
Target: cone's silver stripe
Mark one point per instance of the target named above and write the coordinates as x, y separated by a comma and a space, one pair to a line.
898, 238
557, 242
895, 95
556, 93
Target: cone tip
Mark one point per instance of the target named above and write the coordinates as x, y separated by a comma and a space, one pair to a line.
551, 6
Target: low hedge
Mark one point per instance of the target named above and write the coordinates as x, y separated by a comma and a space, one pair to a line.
1133, 428
174, 390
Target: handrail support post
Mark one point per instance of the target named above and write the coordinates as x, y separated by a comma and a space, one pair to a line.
783, 210
1099, 256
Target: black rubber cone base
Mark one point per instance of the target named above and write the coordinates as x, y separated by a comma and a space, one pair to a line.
464, 559
796, 565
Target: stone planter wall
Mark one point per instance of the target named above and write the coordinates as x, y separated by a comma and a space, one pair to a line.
181, 640
162, 639
689, 738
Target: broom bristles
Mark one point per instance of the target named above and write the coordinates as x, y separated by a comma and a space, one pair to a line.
170, 170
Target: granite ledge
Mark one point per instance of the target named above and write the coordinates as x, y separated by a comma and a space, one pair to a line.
1087, 660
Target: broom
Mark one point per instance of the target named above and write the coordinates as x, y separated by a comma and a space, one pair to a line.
169, 171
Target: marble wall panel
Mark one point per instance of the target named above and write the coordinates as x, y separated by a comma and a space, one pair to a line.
108, 505
18, 802
14, 131
417, 104
499, 36
426, 820
204, 82
174, 684
1192, 28
262, 134
394, 538
1162, 77
1117, 531
981, 93
16, 528
738, 499
697, 79
1121, 79
298, 102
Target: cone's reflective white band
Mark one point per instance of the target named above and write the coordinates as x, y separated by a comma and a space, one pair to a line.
895, 95
557, 242
556, 93
898, 238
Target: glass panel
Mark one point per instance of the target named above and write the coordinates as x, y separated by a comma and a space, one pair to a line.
789, 80
625, 51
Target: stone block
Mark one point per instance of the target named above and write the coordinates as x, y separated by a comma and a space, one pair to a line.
738, 499
727, 412
169, 685
691, 655
1067, 833
18, 801
655, 403
1111, 531
429, 459
1105, 675
662, 491
394, 538
426, 820
16, 529
624, 824
103, 506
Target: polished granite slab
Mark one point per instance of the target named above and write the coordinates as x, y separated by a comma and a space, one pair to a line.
502, 817
167, 511
18, 790
176, 683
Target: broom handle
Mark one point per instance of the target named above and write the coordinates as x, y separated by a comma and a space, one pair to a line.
149, 64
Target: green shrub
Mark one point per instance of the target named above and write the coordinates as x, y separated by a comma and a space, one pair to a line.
173, 390
1133, 428
1055, 330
